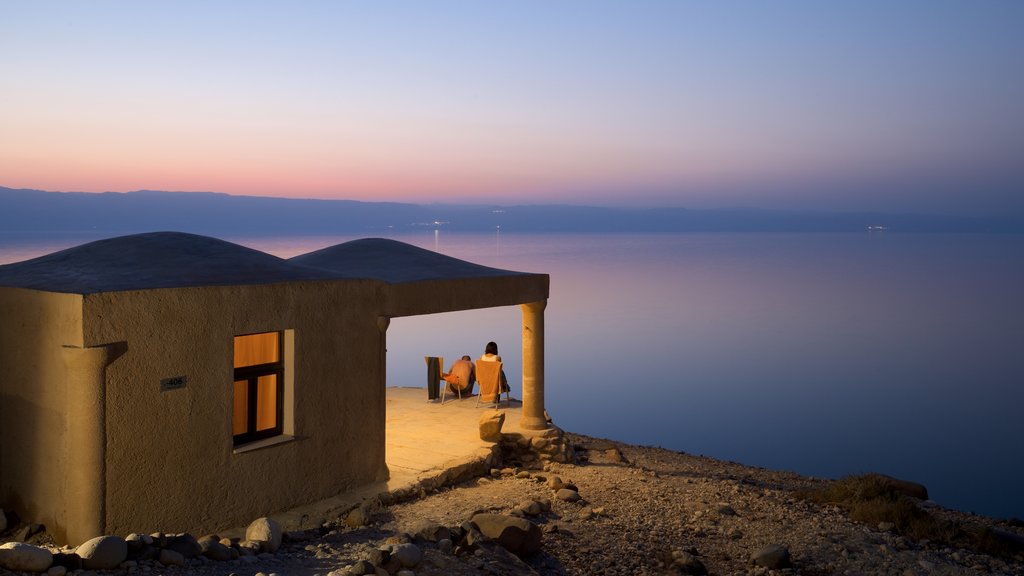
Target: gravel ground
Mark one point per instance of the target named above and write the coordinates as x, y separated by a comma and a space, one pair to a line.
642, 510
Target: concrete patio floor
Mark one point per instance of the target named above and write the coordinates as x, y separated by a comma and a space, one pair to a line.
425, 440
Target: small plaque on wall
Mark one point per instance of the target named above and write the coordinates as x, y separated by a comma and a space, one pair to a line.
173, 383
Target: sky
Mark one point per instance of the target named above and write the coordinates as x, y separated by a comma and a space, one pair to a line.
868, 105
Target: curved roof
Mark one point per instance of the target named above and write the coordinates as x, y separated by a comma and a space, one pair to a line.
177, 260
152, 260
394, 262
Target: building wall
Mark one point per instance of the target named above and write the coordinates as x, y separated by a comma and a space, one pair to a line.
170, 460
34, 329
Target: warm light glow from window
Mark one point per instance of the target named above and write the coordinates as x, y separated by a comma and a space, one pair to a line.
266, 403
254, 349
258, 387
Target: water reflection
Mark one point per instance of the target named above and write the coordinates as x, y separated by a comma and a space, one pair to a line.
828, 355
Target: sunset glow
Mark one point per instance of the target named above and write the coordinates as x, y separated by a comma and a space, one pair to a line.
792, 104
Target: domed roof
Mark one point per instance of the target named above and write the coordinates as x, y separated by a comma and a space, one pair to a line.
153, 260
393, 262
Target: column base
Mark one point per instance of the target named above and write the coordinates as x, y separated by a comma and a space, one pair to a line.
534, 423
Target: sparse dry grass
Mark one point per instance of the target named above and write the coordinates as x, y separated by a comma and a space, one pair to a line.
874, 499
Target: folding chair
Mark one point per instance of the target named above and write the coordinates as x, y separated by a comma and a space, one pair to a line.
488, 375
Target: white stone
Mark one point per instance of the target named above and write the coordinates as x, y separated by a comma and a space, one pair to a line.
265, 531
490, 425
21, 557
103, 552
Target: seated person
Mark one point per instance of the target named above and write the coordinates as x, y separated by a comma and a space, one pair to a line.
491, 355
461, 376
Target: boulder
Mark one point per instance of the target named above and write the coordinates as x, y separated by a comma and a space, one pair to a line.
773, 557
21, 557
103, 552
213, 549
56, 571
431, 531
138, 541
184, 544
490, 425
169, 557
357, 518
409, 555
517, 535
265, 531
567, 495
530, 508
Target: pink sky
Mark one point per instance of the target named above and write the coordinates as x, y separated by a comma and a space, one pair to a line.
654, 104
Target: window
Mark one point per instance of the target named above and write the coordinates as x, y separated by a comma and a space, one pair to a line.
258, 387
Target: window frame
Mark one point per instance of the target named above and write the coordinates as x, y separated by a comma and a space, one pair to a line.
251, 374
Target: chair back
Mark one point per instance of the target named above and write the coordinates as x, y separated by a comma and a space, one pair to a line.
488, 374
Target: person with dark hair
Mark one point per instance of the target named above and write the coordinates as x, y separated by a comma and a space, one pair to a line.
491, 355
460, 377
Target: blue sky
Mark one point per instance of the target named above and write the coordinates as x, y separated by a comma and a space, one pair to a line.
868, 105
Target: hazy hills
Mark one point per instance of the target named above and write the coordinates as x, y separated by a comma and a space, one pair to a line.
23, 210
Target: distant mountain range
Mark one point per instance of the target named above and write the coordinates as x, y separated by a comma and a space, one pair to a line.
23, 210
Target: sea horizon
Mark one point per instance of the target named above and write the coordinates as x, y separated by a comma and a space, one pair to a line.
826, 354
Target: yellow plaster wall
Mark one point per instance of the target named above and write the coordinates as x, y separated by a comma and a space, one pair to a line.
33, 391
170, 461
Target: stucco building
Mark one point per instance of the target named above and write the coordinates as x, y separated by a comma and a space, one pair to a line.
179, 382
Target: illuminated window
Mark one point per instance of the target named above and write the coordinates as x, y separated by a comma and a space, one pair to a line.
259, 387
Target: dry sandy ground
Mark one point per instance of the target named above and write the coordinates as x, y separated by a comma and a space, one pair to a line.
641, 508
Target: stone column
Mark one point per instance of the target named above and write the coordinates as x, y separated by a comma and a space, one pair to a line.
86, 480
533, 366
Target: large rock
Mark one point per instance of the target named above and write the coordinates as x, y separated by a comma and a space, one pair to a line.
490, 425
568, 495
409, 555
103, 552
184, 544
169, 557
20, 557
517, 535
431, 531
265, 531
773, 557
213, 549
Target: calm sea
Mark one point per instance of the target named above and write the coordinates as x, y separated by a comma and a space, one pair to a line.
824, 354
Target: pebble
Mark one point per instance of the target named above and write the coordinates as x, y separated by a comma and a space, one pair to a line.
567, 495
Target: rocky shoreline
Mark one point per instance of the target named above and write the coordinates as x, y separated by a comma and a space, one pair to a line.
568, 504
